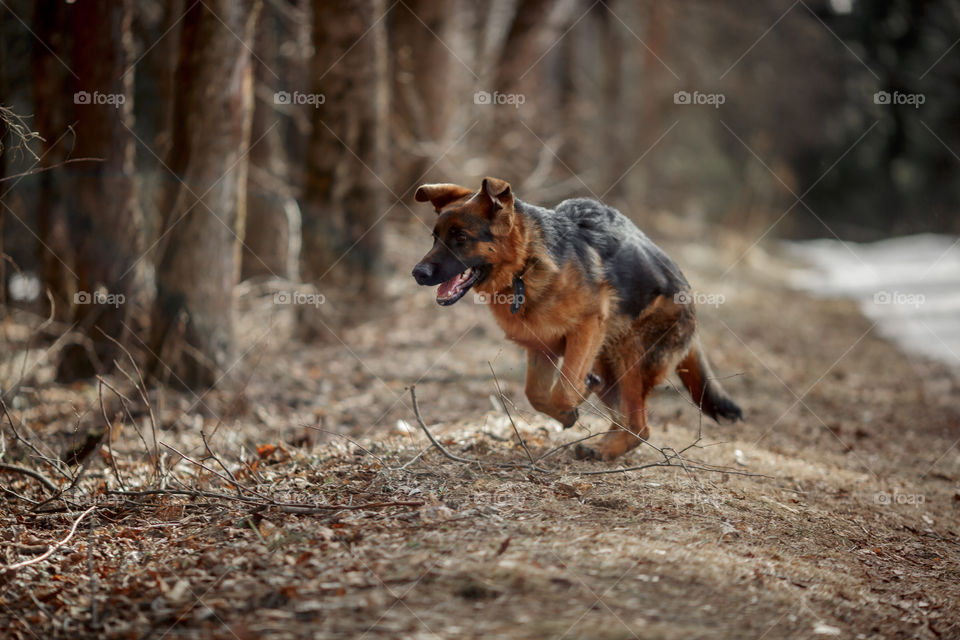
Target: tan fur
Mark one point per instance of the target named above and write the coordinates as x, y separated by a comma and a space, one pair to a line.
571, 326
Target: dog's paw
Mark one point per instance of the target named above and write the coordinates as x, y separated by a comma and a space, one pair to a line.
593, 382
583, 452
569, 418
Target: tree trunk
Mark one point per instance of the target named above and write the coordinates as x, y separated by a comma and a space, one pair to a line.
192, 324
104, 220
612, 84
272, 238
521, 65
4, 141
421, 68
50, 101
343, 198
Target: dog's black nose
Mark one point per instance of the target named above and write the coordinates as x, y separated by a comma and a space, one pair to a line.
423, 272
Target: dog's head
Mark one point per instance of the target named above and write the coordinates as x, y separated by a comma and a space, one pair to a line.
465, 237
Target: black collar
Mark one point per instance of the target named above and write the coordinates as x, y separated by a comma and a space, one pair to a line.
520, 288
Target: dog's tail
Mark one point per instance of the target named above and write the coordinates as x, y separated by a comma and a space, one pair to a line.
704, 388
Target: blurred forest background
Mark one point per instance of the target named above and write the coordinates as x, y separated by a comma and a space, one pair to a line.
210, 336
165, 151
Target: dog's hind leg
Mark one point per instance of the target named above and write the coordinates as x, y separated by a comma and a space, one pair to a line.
630, 427
657, 339
605, 382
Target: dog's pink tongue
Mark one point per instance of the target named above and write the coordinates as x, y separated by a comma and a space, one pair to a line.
448, 287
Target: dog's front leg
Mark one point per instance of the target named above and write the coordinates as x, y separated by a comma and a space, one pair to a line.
582, 346
541, 372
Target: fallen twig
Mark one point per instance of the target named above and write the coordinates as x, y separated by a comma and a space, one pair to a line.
15, 387
496, 380
561, 447
663, 463
306, 509
233, 478
351, 441
16, 495
53, 548
233, 483
36, 475
287, 507
447, 454
126, 409
182, 492
55, 464
671, 456
92, 576
142, 391
106, 420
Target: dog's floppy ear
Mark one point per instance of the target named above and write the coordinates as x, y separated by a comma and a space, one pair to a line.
440, 195
498, 191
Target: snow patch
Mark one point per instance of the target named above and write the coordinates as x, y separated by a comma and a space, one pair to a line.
910, 286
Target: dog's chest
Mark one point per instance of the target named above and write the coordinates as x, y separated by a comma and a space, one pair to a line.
532, 328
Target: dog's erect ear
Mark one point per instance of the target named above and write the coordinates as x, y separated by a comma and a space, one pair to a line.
498, 191
498, 194
440, 195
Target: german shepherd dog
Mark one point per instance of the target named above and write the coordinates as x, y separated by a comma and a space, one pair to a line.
597, 305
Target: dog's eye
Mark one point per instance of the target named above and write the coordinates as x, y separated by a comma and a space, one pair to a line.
461, 237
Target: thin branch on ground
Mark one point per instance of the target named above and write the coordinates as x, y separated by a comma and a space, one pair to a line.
17, 496
671, 456
447, 454
211, 454
496, 380
226, 479
73, 483
55, 464
14, 389
383, 462
142, 391
92, 576
287, 507
36, 475
109, 427
565, 445
53, 548
126, 410
351, 441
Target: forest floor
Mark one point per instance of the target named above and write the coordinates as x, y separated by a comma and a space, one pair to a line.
832, 510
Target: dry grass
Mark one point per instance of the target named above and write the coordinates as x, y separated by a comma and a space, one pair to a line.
849, 529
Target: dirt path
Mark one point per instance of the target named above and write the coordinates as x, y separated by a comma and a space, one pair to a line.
852, 531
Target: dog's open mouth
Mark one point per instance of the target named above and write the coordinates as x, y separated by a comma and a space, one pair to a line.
455, 288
